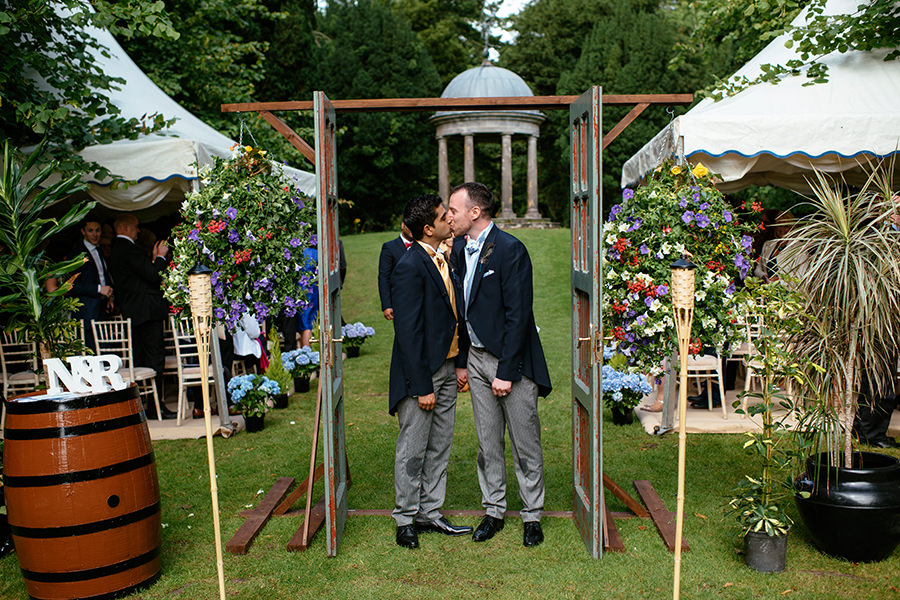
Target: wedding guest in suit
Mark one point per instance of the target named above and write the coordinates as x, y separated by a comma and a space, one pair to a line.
506, 369
140, 297
423, 379
93, 286
390, 253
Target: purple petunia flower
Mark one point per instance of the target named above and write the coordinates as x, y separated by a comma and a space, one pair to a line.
295, 242
696, 196
627, 194
683, 203
231, 213
261, 311
648, 301
702, 220
662, 290
287, 254
313, 240
614, 211
645, 249
233, 236
746, 242
194, 235
740, 261
688, 216
219, 313
636, 225
704, 206
641, 320
727, 216
730, 289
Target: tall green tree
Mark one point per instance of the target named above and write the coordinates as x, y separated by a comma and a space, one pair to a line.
450, 31
50, 84
383, 158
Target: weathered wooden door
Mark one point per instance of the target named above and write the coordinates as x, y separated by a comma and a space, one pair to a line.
336, 479
587, 338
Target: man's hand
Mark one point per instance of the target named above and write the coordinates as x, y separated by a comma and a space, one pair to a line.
160, 249
106, 290
427, 402
462, 378
389, 314
501, 387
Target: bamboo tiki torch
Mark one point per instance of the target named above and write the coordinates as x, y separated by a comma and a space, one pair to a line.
201, 314
683, 305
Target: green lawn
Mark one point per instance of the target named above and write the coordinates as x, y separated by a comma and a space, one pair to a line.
371, 565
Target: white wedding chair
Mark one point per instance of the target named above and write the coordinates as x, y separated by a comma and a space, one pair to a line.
188, 367
114, 337
709, 368
18, 366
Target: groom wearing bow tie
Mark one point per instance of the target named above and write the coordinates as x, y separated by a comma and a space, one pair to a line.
423, 373
506, 369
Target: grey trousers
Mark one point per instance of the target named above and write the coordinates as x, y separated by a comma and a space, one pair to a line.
493, 416
423, 451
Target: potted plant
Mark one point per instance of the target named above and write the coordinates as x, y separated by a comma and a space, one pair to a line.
252, 395
679, 209
622, 391
354, 335
757, 502
250, 226
301, 364
276, 371
37, 314
849, 257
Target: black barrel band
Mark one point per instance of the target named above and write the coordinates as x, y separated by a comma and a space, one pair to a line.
87, 574
36, 407
49, 433
19, 481
85, 528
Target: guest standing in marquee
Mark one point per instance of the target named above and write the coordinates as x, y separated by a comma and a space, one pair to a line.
506, 369
423, 373
390, 253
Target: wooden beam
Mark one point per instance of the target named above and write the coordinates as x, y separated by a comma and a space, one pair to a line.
433, 104
259, 516
625, 122
662, 518
298, 492
305, 534
290, 135
636, 507
612, 540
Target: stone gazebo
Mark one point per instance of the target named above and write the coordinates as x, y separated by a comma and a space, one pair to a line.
485, 81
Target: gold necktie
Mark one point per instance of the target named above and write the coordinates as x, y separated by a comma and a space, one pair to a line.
444, 270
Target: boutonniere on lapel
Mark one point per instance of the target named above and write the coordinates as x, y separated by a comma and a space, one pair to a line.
488, 250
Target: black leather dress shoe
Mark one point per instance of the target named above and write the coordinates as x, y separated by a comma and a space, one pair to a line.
166, 414
442, 525
488, 527
704, 403
406, 536
533, 534
885, 442
697, 398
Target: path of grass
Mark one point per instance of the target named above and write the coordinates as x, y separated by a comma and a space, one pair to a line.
371, 566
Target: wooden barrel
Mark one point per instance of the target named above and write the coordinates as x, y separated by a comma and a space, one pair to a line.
82, 494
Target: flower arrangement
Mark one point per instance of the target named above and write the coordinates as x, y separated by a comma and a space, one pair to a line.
301, 363
355, 334
252, 394
678, 211
623, 389
251, 227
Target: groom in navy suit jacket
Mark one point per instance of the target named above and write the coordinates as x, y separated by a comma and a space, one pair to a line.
423, 373
505, 364
93, 286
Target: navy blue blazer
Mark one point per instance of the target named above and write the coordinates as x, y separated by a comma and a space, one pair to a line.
391, 252
86, 286
424, 323
137, 279
500, 307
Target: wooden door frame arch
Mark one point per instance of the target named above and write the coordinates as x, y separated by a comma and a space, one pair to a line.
590, 523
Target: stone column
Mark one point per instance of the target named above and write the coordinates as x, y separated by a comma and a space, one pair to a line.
506, 211
532, 212
443, 171
469, 158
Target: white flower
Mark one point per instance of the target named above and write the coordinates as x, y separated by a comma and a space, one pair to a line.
611, 274
611, 239
679, 247
699, 295
623, 227
608, 226
655, 305
666, 248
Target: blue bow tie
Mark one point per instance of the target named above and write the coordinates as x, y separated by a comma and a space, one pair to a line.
472, 247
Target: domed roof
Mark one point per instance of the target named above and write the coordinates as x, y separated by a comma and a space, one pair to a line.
486, 81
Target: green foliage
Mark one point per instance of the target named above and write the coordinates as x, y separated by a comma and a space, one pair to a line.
383, 158
35, 313
250, 226
276, 371
50, 85
850, 276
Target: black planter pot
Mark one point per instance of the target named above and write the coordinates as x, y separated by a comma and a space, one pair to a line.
301, 384
852, 513
280, 401
765, 553
352, 351
622, 416
255, 424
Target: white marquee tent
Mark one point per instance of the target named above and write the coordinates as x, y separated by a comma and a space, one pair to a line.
159, 163
775, 134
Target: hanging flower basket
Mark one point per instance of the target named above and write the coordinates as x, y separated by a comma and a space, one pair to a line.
250, 225
678, 210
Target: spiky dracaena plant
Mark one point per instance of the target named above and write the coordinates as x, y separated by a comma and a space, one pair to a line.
42, 316
848, 252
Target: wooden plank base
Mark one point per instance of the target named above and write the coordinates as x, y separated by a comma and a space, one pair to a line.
636, 507
299, 491
662, 518
316, 519
258, 517
612, 541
